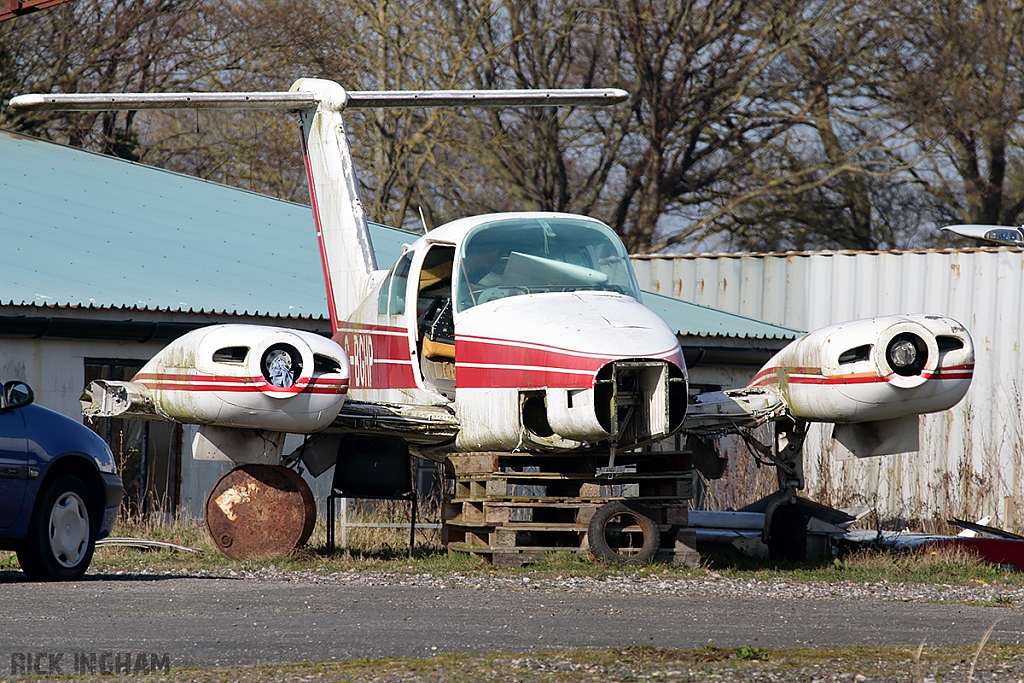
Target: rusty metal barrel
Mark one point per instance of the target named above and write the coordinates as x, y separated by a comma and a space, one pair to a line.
260, 511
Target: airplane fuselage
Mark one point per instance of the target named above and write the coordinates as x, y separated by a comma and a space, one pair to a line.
515, 322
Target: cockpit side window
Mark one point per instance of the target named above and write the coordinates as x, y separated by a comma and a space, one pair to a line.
537, 255
391, 300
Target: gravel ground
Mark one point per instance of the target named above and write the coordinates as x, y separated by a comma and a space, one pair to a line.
845, 665
954, 669
713, 586
769, 672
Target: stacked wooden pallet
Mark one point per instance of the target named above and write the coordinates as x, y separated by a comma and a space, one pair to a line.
515, 508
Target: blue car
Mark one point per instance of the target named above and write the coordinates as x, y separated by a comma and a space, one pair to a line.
59, 488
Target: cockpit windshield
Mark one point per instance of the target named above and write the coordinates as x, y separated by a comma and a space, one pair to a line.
532, 255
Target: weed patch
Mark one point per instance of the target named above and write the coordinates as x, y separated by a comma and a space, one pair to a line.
385, 550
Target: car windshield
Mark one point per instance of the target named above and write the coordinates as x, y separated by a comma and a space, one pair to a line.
534, 255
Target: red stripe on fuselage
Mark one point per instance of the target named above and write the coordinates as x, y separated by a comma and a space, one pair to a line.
380, 359
378, 355
486, 363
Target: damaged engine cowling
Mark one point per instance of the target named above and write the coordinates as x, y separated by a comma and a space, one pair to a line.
869, 370
233, 376
870, 378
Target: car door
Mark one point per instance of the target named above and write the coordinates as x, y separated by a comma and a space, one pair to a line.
13, 465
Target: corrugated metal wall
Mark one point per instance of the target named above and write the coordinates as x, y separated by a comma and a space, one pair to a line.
970, 462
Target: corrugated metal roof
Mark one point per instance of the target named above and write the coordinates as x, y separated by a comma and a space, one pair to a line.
687, 318
87, 230
83, 229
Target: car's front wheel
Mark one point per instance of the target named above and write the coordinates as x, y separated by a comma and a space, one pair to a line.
61, 536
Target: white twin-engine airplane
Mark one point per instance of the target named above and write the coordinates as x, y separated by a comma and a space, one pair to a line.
516, 332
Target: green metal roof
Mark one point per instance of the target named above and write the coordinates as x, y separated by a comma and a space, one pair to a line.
687, 318
86, 230
83, 229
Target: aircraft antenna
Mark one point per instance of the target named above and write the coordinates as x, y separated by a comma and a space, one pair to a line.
423, 221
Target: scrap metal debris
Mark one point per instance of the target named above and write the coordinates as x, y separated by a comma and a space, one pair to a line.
145, 544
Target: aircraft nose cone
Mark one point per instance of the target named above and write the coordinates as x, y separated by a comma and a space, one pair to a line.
618, 312
610, 325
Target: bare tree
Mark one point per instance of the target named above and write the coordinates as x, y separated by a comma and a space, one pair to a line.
957, 89
435, 163
707, 100
837, 178
530, 158
364, 45
103, 46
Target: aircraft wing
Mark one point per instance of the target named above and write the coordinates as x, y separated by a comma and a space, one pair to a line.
717, 411
419, 424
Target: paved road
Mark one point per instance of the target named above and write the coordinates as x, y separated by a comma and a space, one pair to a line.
219, 621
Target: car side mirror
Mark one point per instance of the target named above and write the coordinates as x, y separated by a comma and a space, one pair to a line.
17, 394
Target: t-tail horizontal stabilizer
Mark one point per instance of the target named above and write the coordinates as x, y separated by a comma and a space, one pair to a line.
301, 99
342, 230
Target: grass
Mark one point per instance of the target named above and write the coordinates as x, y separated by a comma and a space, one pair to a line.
997, 662
384, 550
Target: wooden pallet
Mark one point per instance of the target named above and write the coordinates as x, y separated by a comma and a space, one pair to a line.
514, 508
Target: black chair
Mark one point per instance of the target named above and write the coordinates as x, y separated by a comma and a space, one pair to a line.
372, 467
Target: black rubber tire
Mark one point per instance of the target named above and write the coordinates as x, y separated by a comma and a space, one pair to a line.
608, 540
66, 506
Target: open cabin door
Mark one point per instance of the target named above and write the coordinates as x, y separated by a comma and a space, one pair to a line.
435, 323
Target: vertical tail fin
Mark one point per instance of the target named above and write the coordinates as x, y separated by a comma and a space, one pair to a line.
346, 251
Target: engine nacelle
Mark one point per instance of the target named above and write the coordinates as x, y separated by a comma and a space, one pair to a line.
878, 369
234, 376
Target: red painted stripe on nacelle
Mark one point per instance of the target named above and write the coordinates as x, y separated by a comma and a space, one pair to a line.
208, 383
771, 376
